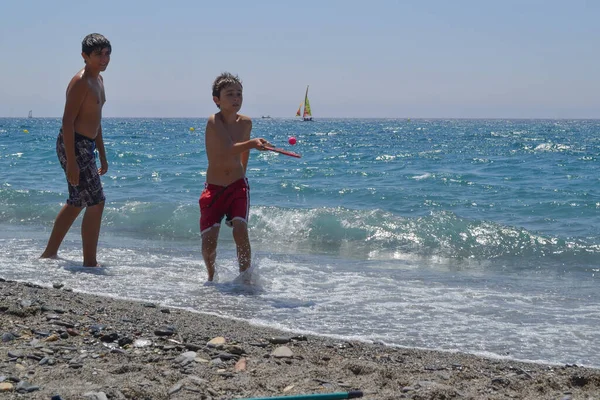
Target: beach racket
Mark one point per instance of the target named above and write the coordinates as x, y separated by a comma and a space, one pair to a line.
282, 151
319, 396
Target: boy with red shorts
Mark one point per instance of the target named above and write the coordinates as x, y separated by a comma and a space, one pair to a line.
226, 192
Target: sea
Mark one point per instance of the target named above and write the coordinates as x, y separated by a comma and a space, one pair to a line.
476, 236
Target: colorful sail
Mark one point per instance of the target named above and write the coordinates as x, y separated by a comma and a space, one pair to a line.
307, 113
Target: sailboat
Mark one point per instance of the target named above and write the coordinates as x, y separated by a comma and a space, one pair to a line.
30, 114
307, 115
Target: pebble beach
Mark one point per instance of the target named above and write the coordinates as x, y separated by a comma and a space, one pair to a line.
61, 344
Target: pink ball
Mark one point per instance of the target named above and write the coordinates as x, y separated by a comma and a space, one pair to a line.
292, 140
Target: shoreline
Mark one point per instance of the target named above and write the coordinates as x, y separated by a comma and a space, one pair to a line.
78, 345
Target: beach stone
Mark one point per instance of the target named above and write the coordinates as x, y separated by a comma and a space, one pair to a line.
95, 329
192, 347
282, 352
6, 387
165, 331
124, 341
142, 343
64, 323
26, 387
186, 358
218, 341
8, 337
52, 338
235, 349
176, 388
109, 338
240, 365
57, 285
15, 354
280, 340
95, 396
26, 303
255, 344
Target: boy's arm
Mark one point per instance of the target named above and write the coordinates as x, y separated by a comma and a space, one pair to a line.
100, 146
75, 97
245, 155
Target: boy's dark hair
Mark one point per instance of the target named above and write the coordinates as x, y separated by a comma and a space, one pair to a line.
224, 80
94, 41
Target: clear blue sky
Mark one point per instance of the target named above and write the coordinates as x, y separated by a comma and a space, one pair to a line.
502, 58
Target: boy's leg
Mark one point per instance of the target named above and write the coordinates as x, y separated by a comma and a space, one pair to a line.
242, 242
65, 218
90, 230
209, 250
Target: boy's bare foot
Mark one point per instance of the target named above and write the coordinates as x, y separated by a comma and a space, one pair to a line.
92, 265
49, 255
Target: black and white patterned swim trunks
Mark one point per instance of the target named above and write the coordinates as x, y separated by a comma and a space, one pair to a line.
89, 191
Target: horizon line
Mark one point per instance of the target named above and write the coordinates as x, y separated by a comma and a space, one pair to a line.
326, 118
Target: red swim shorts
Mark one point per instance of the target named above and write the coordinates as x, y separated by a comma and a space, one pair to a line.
217, 201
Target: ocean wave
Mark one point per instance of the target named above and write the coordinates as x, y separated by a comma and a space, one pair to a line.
351, 233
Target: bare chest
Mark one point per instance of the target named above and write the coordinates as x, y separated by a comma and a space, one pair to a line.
235, 133
95, 96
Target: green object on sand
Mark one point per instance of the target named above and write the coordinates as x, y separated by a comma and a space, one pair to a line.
355, 394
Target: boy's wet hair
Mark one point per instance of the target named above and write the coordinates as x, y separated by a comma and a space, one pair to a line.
224, 80
94, 41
